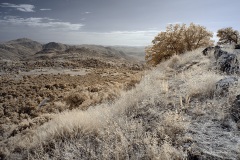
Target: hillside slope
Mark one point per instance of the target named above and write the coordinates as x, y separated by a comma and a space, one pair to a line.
176, 112
134, 51
19, 49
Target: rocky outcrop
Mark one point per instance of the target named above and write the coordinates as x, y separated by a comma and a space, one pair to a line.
223, 85
228, 63
218, 52
235, 109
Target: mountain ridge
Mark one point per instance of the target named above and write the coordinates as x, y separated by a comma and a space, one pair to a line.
25, 49
19, 49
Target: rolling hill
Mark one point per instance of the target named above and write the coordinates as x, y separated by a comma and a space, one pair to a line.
19, 49
26, 49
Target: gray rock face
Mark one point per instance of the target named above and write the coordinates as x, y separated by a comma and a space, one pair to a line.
235, 109
218, 52
228, 63
222, 86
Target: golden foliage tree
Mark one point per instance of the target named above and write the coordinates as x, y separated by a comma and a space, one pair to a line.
228, 36
177, 39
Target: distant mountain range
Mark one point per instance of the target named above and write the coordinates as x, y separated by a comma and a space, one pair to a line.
19, 49
134, 51
25, 49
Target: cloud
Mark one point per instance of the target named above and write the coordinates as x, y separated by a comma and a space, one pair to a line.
175, 23
41, 22
20, 7
86, 12
45, 9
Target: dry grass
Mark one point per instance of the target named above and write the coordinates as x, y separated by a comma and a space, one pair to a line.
200, 83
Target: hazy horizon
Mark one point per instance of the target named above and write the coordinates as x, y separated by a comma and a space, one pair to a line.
107, 22
139, 46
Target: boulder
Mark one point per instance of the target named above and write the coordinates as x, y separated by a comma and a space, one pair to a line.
227, 62
218, 52
207, 50
222, 86
237, 46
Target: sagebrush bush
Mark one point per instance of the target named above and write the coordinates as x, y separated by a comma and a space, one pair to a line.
74, 100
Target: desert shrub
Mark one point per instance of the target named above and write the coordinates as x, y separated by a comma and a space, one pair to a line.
177, 39
228, 36
131, 84
75, 99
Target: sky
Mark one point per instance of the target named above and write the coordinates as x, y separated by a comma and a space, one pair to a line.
110, 22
